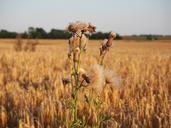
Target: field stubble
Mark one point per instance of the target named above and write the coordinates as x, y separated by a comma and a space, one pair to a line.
32, 93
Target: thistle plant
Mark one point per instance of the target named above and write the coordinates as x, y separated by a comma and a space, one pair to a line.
77, 45
78, 77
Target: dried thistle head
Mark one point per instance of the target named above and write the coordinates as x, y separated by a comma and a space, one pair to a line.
112, 79
75, 41
86, 78
80, 26
91, 28
83, 77
112, 35
107, 43
77, 26
96, 76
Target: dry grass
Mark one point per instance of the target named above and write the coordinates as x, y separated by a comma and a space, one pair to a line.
32, 93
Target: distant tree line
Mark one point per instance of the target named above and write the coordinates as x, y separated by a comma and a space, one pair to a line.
40, 33
7, 34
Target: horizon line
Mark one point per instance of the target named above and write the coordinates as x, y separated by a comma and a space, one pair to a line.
124, 34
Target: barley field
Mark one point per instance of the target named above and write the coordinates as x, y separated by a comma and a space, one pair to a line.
33, 95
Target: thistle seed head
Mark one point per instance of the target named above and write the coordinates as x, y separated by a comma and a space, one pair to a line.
112, 35
96, 76
112, 78
80, 26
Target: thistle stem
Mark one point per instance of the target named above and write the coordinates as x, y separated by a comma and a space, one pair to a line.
75, 79
102, 58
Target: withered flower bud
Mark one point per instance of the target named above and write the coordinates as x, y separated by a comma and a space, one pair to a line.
110, 39
86, 78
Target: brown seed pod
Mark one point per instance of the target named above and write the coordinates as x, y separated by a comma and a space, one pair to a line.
110, 39
86, 78
112, 34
